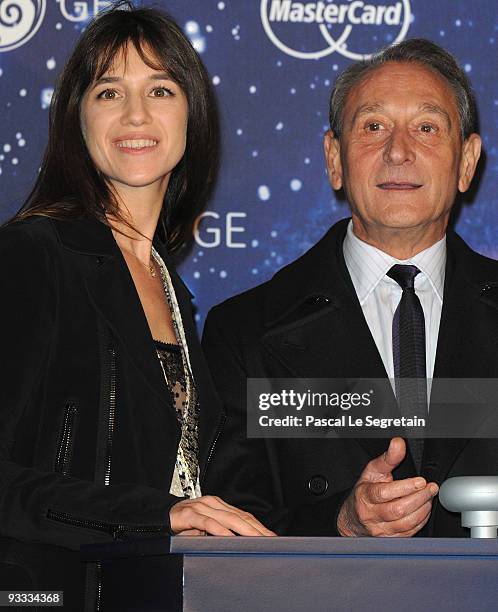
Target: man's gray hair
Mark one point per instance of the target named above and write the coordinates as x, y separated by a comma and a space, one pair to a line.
416, 50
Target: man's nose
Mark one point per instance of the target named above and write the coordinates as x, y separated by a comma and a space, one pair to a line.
399, 148
135, 110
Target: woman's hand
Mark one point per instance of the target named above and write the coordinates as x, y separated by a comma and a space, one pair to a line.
210, 515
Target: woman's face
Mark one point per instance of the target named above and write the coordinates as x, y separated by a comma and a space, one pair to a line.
134, 122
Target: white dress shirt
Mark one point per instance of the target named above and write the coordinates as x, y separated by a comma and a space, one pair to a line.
379, 295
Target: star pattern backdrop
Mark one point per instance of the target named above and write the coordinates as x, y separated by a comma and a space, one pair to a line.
272, 64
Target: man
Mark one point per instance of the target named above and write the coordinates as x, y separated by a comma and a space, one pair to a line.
402, 143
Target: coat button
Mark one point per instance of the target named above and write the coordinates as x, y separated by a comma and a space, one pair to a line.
318, 485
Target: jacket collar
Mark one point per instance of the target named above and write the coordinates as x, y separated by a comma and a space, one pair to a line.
112, 291
313, 277
469, 273
89, 236
315, 324
86, 235
470, 279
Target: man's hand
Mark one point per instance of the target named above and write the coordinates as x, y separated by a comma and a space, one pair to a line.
381, 506
210, 515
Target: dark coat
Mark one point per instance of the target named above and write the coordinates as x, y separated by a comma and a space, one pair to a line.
307, 322
88, 431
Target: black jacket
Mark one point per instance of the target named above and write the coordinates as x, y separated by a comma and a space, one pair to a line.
307, 322
88, 433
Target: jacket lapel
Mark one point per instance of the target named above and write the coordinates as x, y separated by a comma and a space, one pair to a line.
315, 324
112, 291
114, 295
464, 348
316, 327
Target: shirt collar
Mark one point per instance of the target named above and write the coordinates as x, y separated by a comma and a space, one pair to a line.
368, 265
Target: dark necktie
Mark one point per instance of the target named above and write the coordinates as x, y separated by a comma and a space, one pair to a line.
409, 353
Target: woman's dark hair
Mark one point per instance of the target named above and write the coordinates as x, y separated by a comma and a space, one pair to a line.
69, 184
417, 50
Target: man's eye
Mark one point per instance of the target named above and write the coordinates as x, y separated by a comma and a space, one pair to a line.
374, 127
107, 94
161, 92
427, 128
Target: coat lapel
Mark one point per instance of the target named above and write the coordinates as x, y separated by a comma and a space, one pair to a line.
316, 327
315, 323
465, 348
112, 291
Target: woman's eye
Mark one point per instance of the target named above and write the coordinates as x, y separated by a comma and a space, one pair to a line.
161, 92
107, 94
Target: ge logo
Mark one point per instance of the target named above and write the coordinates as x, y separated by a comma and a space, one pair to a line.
350, 27
19, 21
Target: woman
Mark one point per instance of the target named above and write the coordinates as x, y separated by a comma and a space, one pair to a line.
108, 419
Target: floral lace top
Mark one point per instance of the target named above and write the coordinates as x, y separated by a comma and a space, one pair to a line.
175, 363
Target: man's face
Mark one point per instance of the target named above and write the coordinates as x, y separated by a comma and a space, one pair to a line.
400, 157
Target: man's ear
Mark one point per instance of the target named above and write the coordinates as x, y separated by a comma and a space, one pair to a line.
471, 151
332, 150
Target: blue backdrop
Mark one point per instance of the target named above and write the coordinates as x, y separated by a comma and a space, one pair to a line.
273, 63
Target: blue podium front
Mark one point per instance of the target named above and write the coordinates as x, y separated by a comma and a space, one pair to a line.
208, 574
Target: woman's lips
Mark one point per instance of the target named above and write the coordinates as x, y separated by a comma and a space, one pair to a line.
401, 186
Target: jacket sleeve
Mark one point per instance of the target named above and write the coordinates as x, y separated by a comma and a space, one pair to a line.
245, 471
45, 506
240, 470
